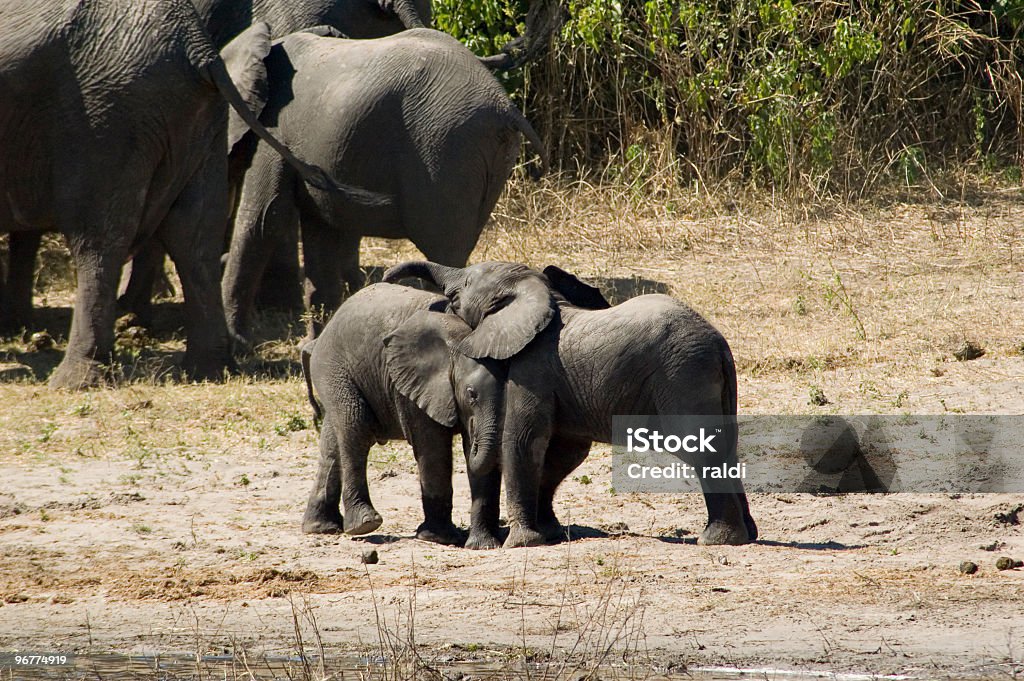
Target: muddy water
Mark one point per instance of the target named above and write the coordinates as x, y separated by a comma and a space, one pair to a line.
234, 668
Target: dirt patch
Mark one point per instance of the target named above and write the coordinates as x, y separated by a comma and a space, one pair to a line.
165, 516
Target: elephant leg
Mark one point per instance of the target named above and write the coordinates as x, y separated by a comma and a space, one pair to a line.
344, 450
485, 492
16, 303
528, 431
266, 209
281, 285
91, 343
324, 254
323, 512
432, 447
192, 233
562, 458
145, 268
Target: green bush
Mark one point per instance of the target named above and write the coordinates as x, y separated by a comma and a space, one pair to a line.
835, 96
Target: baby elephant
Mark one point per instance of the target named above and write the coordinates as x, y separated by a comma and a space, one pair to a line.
385, 368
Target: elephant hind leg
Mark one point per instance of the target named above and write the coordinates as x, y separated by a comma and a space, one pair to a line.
562, 458
323, 512
352, 421
729, 520
193, 232
16, 296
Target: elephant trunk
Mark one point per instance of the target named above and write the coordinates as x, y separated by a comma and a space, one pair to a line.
406, 13
485, 453
440, 276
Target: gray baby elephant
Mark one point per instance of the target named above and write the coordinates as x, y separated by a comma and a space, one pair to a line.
386, 367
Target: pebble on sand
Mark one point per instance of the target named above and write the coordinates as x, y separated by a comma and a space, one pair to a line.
369, 557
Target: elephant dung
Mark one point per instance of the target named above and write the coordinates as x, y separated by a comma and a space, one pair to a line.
968, 568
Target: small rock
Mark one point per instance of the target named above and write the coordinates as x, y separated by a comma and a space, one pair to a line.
968, 568
967, 351
40, 341
369, 557
723, 560
1010, 516
994, 546
1007, 563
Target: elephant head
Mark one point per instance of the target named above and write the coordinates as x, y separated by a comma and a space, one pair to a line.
426, 366
506, 304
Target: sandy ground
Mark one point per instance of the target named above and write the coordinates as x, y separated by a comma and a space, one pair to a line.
158, 517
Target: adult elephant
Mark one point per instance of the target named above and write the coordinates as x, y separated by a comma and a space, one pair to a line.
113, 128
386, 367
224, 19
574, 366
414, 116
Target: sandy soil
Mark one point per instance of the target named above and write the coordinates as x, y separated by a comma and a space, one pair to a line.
153, 517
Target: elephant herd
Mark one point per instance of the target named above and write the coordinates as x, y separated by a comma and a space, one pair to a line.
193, 128
139, 127
529, 368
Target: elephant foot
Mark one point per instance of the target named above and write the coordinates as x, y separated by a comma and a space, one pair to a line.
323, 523
448, 534
208, 368
521, 536
241, 346
718, 532
748, 520
553, 531
362, 519
482, 540
77, 374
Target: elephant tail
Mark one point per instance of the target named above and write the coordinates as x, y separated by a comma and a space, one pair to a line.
318, 413
217, 72
519, 122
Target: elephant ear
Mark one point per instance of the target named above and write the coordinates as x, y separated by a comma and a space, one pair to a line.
244, 57
513, 319
417, 356
575, 291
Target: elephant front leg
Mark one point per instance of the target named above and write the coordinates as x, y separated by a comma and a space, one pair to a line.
562, 458
266, 213
16, 303
432, 447
485, 491
323, 512
528, 431
91, 343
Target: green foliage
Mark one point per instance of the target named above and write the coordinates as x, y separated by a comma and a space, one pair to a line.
831, 95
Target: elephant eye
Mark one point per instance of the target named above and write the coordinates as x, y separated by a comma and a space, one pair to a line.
471, 393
